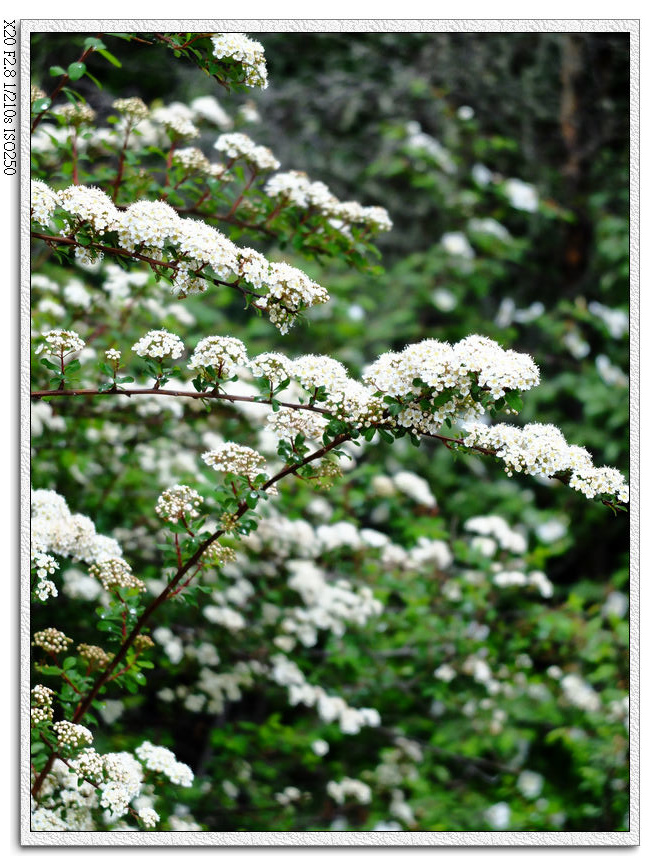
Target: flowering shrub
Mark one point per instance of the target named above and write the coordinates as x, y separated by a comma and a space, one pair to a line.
311, 661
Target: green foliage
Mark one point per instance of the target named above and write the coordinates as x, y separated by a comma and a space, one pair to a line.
453, 741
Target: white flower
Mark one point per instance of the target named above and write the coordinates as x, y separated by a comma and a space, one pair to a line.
208, 108
177, 503
44, 202
236, 145
415, 488
159, 344
72, 735
522, 196
236, 459
248, 52
90, 204
455, 243
160, 759
61, 342
498, 815
177, 120
530, 784
223, 353
465, 112
616, 605
149, 817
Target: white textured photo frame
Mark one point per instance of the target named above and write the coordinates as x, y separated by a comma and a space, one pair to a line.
335, 839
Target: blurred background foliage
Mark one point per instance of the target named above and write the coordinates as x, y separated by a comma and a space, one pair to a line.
503, 161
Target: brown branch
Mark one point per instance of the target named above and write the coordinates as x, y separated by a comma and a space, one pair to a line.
53, 239
148, 391
40, 394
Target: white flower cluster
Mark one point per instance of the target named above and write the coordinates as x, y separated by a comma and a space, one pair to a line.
236, 145
52, 640
154, 228
420, 141
75, 789
530, 784
349, 787
70, 735
225, 617
455, 243
61, 342
288, 423
220, 687
289, 291
293, 186
43, 202
273, 365
475, 360
159, 759
413, 486
496, 527
330, 708
355, 404
75, 114
159, 344
541, 449
617, 321
124, 781
580, 693
177, 503
296, 188
115, 573
45, 820
287, 538
44, 565
149, 224
133, 107
195, 160
522, 196
149, 817
490, 226
287, 796
90, 204
536, 579
328, 606
222, 353
236, 459
319, 370
248, 52
177, 120
498, 815
207, 108
56, 530
42, 710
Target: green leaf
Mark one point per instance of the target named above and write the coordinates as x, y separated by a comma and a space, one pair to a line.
41, 104
76, 71
93, 42
48, 363
110, 57
514, 400
97, 83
